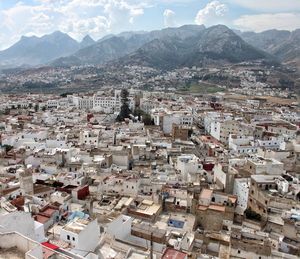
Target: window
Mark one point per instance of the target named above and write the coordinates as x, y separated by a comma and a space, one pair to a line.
68, 237
73, 238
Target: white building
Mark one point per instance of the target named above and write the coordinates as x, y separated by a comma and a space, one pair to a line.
101, 102
241, 190
166, 119
89, 138
107, 103
85, 102
82, 234
242, 144
273, 143
260, 165
14, 221
120, 227
147, 105
118, 184
189, 166
221, 130
285, 129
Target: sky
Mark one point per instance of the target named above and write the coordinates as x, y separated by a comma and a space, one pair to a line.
101, 17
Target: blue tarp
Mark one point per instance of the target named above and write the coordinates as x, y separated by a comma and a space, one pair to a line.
78, 214
175, 223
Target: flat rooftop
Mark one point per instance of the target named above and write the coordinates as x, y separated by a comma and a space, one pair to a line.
11, 253
206, 194
187, 219
260, 178
137, 255
145, 228
108, 251
76, 226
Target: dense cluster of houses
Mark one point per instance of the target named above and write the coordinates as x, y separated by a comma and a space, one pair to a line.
210, 177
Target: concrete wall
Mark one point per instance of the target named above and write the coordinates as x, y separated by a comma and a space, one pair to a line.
219, 176
23, 244
15, 222
121, 160
120, 228
89, 238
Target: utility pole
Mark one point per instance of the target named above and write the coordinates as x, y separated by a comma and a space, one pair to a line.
151, 246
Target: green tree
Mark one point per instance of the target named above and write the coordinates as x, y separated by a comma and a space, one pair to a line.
145, 117
138, 113
36, 107
66, 94
7, 148
5, 111
125, 110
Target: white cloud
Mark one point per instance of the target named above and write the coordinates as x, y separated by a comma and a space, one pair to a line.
213, 13
175, 1
169, 18
75, 17
25, 20
262, 22
94, 26
120, 12
268, 5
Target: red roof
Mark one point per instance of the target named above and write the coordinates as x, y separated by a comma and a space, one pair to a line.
42, 219
171, 253
18, 202
49, 245
48, 212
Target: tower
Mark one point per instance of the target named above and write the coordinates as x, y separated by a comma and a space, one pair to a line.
26, 182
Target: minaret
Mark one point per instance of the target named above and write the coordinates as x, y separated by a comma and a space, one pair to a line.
26, 182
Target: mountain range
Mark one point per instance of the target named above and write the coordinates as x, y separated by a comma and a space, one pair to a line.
34, 50
282, 44
188, 45
217, 44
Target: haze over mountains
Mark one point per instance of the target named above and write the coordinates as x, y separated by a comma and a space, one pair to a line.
187, 45
282, 44
36, 51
